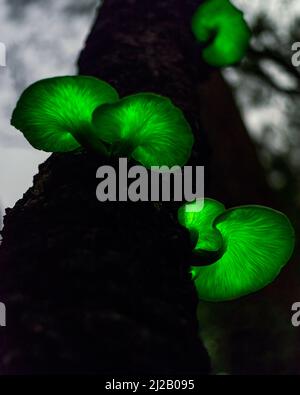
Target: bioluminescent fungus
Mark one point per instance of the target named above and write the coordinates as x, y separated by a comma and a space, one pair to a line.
55, 114
256, 243
208, 241
147, 127
222, 27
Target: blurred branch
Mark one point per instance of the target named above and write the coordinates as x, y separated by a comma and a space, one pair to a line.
253, 66
276, 57
257, 71
268, 46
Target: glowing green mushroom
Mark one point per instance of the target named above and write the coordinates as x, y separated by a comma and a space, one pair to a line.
147, 127
55, 114
208, 240
256, 243
222, 26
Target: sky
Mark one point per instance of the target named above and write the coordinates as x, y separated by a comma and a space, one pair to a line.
40, 44
281, 13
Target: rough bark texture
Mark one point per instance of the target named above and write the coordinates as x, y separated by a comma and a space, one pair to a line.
93, 287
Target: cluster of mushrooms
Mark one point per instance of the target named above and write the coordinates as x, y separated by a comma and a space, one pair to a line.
240, 250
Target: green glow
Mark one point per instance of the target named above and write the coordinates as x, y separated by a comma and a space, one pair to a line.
257, 243
208, 239
146, 126
55, 114
223, 24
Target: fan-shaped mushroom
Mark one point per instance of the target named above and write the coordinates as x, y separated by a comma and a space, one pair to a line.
147, 127
207, 239
55, 114
222, 27
256, 243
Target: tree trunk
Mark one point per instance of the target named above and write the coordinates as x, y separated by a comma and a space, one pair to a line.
93, 287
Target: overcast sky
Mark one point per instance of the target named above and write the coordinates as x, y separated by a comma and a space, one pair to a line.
43, 39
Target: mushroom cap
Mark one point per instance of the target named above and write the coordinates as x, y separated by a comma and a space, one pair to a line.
223, 24
257, 242
51, 111
208, 239
155, 130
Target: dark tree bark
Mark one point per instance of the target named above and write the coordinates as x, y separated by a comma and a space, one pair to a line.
93, 287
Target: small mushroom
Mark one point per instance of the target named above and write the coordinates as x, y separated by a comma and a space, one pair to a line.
55, 114
207, 240
256, 243
147, 127
221, 26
